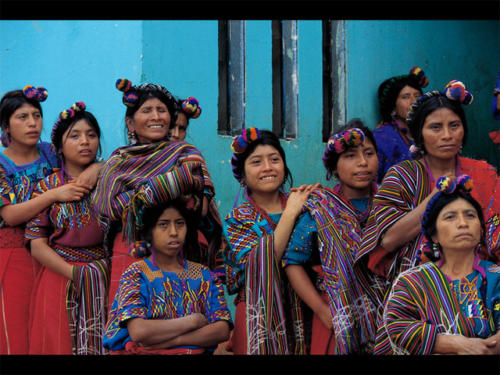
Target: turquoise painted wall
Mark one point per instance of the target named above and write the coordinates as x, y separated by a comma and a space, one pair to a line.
445, 50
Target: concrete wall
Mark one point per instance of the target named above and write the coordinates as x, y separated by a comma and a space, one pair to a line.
80, 60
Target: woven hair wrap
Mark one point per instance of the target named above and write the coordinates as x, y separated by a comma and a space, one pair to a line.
248, 135
39, 94
455, 90
340, 142
65, 115
191, 107
130, 97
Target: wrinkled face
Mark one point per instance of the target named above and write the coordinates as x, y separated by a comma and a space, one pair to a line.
80, 144
169, 233
443, 133
357, 168
25, 125
178, 131
264, 170
407, 96
458, 226
150, 122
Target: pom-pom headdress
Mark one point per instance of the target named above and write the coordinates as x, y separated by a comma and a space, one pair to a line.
130, 97
67, 114
240, 144
39, 94
455, 90
191, 107
340, 142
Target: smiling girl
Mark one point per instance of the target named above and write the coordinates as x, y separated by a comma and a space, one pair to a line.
68, 309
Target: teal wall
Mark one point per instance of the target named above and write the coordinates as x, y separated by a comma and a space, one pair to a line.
80, 60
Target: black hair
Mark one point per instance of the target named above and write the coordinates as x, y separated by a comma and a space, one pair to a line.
191, 248
431, 214
67, 124
11, 102
147, 91
267, 138
426, 105
389, 90
331, 158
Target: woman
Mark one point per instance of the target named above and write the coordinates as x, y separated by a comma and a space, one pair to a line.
452, 304
438, 125
188, 109
167, 304
325, 241
395, 96
68, 308
23, 162
150, 171
257, 232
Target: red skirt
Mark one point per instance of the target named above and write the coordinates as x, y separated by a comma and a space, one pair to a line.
322, 338
18, 270
238, 341
120, 261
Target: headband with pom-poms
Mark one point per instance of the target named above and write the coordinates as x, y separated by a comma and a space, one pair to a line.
191, 107
248, 135
455, 90
419, 74
63, 116
39, 94
340, 142
139, 249
130, 97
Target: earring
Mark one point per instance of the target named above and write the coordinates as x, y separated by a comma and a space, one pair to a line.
435, 250
132, 138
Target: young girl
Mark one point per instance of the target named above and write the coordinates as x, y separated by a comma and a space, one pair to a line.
69, 299
23, 162
188, 108
320, 255
166, 304
267, 319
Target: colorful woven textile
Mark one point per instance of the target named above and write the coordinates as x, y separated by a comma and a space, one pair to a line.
141, 172
423, 303
353, 299
273, 313
149, 293
404, 187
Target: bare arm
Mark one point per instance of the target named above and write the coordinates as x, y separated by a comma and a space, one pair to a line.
206, 336
88, 177
457, 344
407, 228
15, 214
42, 252
155, 331
296, 200
304, 287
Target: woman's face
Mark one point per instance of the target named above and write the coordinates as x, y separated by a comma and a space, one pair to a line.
25, 125
357, 169
443, 133
169, 233
150, 122
178, 131
458, 226
264, 170
407, 96
80, 143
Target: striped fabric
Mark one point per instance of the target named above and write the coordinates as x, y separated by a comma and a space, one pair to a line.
146, 167
405, 186
423, 304
353, 299
273, 314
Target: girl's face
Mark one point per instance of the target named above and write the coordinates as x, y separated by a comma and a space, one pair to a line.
264, 170
458, 226
407, 96
178, 131
443, 133
169, 233
150, 122
25, 125
357, 169
80, 143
